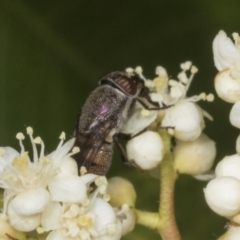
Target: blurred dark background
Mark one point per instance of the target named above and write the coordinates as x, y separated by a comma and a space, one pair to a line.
53, 52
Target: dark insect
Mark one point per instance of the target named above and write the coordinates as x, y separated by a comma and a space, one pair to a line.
103, 115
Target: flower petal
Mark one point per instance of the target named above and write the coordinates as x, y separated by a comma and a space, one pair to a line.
69, 166
67, 188
31, 201
23, 223
224, 51
138, 122
7, 157
50, 216
62, 151
104, 214
55, 235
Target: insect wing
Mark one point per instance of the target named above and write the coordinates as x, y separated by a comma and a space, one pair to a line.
90, 145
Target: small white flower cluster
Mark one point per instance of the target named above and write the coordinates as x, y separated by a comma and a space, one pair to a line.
47, 196
223, 192
180, 115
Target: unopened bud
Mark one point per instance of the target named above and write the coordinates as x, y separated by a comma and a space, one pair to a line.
194, 157
121, 191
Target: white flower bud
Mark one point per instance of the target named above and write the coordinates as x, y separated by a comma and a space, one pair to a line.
226, 87
229, 166
222, 195
121, 191
23, 223
186, 119
31, 201
224, 51
234, 116
195, 157
233, 233
146, 150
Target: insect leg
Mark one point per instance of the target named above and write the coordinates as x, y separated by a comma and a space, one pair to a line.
120, 148
153, 108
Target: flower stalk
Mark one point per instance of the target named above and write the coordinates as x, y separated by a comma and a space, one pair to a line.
163, 221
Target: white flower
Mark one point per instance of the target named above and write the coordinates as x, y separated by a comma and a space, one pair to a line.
227, 60
229, 166
184, 119
194, 157
181, 115
146, 150
92, 219
224, 51
80, 221
222, 195
29, 185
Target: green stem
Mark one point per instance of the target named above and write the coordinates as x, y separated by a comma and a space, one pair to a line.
168, 228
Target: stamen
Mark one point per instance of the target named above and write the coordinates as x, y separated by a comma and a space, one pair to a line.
62, 137
106, 197
186, 65
83, 170
35, 154
40, 230
138, 70
38, 140
183, 77
161, 71
193, 70
21, 137
86, 202
74, 151
129, 70
29, 130
170, 131
202, 96
236, 39
210, 97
